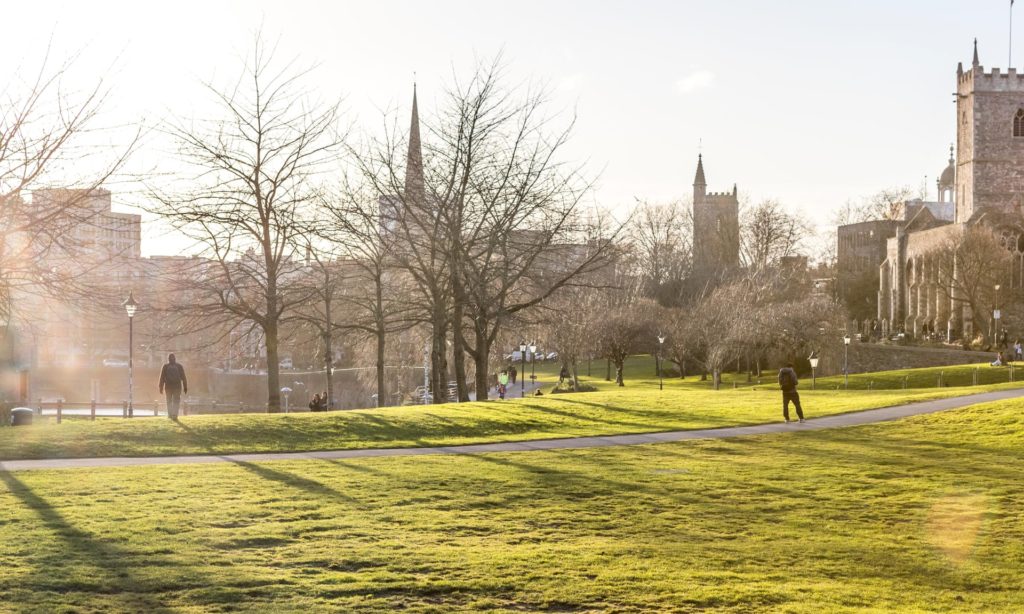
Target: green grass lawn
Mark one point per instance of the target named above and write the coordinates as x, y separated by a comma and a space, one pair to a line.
921, 515
634, 409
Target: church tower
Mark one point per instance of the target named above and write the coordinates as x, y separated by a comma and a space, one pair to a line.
990, 140
716, 226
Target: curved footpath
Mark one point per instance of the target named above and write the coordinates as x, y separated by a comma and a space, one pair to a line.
850, 419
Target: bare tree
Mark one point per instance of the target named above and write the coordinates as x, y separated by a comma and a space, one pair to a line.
626, 331
769, 233
376, 294
254, 174
661, 237
48, 140
490, 218
973, 261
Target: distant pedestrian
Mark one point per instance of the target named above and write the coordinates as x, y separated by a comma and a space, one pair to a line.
314, 405
512, 373
998, 362
564, 373
173, 383
788, 382
325, 401
1004, 341
1018, 350
502, 384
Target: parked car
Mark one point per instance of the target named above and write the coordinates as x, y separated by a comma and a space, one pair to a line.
286, 363
114, 362
553, 356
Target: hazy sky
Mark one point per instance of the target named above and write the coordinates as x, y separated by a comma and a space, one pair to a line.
812, 102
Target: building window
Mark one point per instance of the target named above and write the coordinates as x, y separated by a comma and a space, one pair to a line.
1018, 123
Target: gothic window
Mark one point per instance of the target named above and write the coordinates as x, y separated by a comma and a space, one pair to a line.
1018, 123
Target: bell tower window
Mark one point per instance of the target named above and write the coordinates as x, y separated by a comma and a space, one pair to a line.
1018, 123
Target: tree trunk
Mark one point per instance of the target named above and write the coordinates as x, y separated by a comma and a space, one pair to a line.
439, 355
717, 379
482, 363
459, 355
381, 332
328, 346
382, 399
619, 364
273, 369
328, 363
575, 375
608, 373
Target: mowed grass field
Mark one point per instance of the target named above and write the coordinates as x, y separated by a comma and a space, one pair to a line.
637, 408
921, 515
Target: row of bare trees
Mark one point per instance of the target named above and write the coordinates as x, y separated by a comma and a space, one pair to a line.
451, 235
751, 320
660, 244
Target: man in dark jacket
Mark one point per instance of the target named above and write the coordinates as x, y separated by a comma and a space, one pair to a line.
788, 382
173, 382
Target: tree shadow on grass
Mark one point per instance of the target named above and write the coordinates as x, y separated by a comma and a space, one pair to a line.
567, 414
113, 562
282, 477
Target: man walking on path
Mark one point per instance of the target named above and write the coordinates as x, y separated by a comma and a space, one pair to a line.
512, 373
788, 382
173, 382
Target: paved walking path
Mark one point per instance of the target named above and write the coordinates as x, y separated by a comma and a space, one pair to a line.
851, 419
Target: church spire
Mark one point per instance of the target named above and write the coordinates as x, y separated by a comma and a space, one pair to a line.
414, 183
974, 62
700, 186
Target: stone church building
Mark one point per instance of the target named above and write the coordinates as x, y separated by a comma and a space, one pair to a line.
985, 183
716, 226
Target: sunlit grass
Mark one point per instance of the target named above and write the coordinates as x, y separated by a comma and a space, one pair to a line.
613, 410
923, 515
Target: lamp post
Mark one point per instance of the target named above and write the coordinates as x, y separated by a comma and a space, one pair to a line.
286, 391
814, 366
846, 362
661, 376
522, 380
995, 316
130, 306
533, 363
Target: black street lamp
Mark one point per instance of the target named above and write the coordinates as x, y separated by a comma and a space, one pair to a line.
131, 306
522, 380
995, 316
814, 366
658, 361
846, 362
533, 363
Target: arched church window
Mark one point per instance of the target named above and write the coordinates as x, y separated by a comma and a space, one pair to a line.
1018, 123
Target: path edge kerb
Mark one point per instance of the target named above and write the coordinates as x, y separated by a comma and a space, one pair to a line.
857, 418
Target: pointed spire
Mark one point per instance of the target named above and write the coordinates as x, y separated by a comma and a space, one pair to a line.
699, 180
975, 63
414, 183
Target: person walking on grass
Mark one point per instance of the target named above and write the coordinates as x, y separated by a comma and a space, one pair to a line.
502, 384
173, 381
788, 382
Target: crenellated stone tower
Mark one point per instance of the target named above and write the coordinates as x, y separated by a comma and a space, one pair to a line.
990, 140
716, 226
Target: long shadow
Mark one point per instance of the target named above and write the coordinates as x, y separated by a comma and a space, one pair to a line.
109, 559
567, 414
283, 477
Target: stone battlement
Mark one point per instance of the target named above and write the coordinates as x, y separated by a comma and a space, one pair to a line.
996, 79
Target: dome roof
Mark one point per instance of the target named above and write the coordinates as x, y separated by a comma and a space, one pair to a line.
948, 177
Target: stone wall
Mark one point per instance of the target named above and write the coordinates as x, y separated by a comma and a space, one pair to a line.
866, 357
